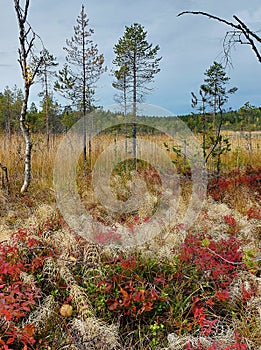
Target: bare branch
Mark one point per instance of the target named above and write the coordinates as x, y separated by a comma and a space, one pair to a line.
231, 24
36, 69
252, 43
230, 40
248, 35
235, 36
247, 29
30, 45
26, 9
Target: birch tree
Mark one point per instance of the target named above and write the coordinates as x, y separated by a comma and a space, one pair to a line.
26, 44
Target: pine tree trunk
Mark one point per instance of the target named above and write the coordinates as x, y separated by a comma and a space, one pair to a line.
85, 145
46, 109
134, 126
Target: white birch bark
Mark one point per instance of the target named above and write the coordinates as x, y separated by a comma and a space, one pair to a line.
26, 41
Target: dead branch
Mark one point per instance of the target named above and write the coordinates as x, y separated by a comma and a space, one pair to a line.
239, 29
231, 24
247, 29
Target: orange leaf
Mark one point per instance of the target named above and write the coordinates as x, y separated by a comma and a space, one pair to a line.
142, 292
124, 293
29, 330
147, 306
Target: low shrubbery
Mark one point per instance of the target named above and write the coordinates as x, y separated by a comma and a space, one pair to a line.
58, 291
197, 292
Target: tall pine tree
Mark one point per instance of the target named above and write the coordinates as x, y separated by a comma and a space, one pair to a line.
84, 67
136, 64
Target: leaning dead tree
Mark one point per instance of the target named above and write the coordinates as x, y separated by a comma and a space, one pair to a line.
26, 44
240, 34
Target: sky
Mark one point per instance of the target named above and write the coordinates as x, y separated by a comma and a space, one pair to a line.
188, 44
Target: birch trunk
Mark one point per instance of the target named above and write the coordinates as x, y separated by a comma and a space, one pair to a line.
26, 40
28, 143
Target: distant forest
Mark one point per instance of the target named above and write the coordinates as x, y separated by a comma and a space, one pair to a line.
247, 118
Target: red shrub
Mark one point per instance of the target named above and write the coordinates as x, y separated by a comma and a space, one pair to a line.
16, 297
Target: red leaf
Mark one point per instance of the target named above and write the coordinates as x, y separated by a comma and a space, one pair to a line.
114, 305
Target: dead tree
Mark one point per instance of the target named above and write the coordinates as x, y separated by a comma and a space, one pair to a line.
26, 42
240, 33
4, 177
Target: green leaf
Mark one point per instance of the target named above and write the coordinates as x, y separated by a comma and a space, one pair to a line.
205, 242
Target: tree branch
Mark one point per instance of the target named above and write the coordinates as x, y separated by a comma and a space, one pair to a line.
248, 33
247, 29
231, 24
240, 28
26, 9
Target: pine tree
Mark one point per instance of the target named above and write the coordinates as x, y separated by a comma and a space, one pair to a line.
84, 67
215, 88
136, 64
214, 95
45, 72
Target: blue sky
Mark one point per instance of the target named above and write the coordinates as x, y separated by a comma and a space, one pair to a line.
188, 44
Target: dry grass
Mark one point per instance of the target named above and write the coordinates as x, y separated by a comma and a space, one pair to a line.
245, 150
14, 208
11, 155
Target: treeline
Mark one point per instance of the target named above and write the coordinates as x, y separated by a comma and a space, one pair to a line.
61, 118
246, 118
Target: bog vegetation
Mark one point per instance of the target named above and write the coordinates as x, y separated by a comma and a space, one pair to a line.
194, 290
184, 289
